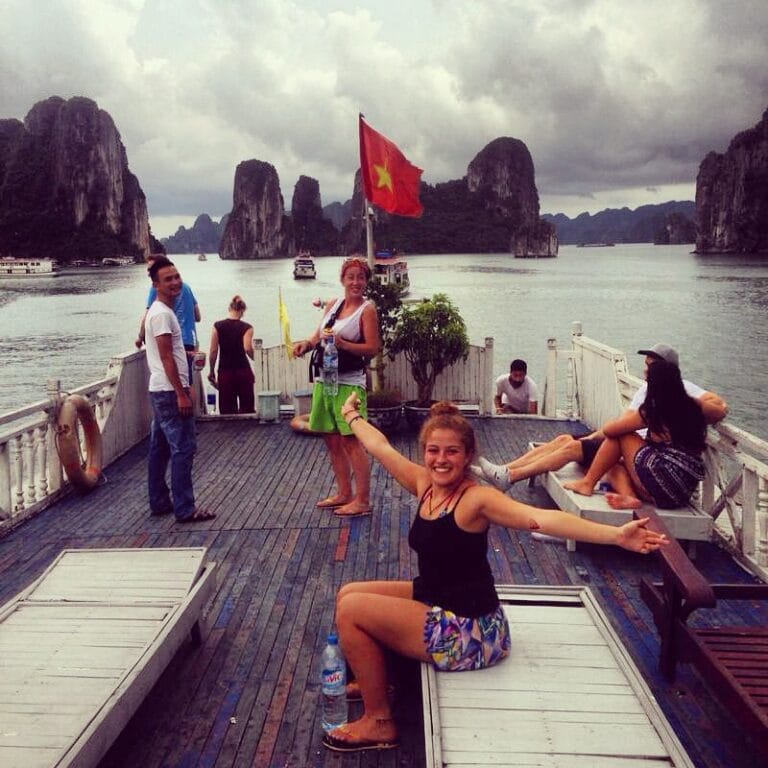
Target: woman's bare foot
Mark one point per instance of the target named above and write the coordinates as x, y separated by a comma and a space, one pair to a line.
623, 501
353, 509
366, 733
582, 487
333, 501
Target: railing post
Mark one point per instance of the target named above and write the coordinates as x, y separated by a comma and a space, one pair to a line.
762, 523
55, 474
17, 470
549, 404
6, 505
486, 400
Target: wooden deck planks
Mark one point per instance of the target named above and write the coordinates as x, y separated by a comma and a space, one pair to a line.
280, 561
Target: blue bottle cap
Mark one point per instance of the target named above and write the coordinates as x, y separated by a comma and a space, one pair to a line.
333, 639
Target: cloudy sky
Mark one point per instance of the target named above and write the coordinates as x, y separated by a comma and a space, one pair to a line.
617, 100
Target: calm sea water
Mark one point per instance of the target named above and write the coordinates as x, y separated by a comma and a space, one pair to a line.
713, 309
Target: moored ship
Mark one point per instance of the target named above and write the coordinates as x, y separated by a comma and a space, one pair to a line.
12, 267
304, 266
391, 268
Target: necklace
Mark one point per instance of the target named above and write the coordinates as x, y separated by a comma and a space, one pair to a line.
442, 506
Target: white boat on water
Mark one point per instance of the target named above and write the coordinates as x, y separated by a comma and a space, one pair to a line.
116, 261
304, 266
12, 267
391, 268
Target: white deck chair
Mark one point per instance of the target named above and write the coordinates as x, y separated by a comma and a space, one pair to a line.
568, 695
82, 646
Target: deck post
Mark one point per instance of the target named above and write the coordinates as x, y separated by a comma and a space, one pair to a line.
549, 404
487, 388
762, 523
55, 473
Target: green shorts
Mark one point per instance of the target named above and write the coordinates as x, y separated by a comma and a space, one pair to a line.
325, 415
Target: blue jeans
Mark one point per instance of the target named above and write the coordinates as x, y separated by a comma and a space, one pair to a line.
171, 438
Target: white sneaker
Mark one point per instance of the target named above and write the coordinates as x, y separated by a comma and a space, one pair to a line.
496, 474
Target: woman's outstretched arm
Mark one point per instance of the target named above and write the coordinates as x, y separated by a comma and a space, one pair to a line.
502, 510
406, 472
629, 421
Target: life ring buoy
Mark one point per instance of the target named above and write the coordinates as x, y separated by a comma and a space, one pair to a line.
82, 474
300, 424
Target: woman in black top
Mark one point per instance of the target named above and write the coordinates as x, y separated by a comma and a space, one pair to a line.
449, 615
234, 340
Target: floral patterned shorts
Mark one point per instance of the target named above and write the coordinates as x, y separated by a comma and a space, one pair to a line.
457, 644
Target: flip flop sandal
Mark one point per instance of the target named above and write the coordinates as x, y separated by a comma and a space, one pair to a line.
198, 516
340, 745
329, 503
359, 513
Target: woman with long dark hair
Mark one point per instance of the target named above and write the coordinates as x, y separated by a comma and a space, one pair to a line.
449, 615
663, 468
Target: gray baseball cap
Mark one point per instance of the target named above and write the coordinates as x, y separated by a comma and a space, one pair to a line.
662, 352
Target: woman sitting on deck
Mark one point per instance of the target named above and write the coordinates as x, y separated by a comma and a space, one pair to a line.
663, 468
450, 614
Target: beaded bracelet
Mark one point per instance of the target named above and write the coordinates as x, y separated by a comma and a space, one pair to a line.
353, 420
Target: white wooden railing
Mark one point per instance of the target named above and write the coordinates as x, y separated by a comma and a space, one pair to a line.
469, 381
594, 384
31, 477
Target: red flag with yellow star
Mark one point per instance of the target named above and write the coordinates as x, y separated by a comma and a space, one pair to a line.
389, 180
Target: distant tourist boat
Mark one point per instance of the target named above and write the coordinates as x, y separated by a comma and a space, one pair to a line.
202, 257
11, 267
595, 245
391, 268
116, 261
304, 266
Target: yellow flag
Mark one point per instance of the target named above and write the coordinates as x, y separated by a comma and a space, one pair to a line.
285, 325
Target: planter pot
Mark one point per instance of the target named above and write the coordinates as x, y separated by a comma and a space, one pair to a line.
415, 415
386, 418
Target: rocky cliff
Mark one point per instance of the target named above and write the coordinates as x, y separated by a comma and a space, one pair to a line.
311, 231
676, 229
65, 188
493, 209
732, 195
257, 227
204, 235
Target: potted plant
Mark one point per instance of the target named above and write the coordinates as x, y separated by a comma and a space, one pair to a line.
433, 336
384, 404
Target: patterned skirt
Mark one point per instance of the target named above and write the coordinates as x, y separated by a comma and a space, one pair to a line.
669, 474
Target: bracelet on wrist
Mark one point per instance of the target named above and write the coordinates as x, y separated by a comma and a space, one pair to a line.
353, 420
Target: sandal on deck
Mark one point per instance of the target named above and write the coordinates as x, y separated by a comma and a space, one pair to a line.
331, 502
198, 516
340, 745
357, 513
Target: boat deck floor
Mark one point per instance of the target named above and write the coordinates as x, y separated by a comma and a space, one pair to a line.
249, 695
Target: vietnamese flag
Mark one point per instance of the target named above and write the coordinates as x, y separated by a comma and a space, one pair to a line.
389, 180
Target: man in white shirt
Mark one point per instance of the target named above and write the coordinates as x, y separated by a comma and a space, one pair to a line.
555, 454
516, 392
172, 438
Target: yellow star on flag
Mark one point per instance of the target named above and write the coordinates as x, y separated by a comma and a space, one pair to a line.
384, 180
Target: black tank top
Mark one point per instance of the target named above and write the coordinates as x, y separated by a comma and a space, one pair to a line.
231, 353
453, 566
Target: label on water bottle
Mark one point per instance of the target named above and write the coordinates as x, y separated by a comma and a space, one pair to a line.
333, 679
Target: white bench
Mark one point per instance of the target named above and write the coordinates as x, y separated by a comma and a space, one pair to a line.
569, 694
688, 522
82, 646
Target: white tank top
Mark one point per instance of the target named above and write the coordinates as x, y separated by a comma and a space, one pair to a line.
349, 328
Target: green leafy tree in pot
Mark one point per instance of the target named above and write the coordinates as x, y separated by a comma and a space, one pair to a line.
389, 304
433, 336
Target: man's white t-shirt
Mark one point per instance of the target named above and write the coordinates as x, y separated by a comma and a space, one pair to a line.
693, 390
161, 320
517, 398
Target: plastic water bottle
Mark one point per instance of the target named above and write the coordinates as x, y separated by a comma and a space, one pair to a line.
334, 679
330, 367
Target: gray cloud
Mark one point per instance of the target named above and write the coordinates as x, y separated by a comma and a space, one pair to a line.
617, 101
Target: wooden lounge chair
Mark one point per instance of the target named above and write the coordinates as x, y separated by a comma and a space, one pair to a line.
732, 659
569, 694
82, 646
